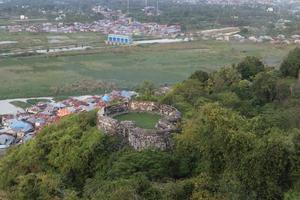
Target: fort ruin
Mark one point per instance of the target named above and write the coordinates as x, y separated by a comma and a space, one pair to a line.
157, 138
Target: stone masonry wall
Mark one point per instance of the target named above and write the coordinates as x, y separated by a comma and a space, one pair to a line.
138, 138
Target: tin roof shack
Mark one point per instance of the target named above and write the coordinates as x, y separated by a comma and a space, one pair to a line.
20, 126
5, 119
39, 107
36, 121
65, 111
58, 105
49, 110
6, 140
127, 95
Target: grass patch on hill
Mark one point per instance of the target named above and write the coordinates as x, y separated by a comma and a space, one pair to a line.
36, 101
142, 120
28, 103
20, 104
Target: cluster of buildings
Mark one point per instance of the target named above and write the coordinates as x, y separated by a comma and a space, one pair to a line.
232, 34
21, 127
115, 22
240, 2
280, 39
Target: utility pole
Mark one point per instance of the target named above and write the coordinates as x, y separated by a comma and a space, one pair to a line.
146, 3
127, 6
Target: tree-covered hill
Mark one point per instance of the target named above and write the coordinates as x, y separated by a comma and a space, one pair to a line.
240, 139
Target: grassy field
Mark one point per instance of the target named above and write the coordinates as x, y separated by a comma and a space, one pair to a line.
54, 75
29, 41
20, 104
142, 120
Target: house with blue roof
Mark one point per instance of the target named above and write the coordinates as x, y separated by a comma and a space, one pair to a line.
106, 98
20, 126
6, 140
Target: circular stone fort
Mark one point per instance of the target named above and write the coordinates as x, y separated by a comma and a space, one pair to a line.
134, 133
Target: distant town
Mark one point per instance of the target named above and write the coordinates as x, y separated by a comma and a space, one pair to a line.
115, 22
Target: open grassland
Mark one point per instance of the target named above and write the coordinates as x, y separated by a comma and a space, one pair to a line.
31, 41
45, 75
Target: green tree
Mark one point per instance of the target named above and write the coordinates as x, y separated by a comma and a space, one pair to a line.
38, 187
136, 187
214, 139
293, 194
57, 161
249, 67
223, 79
200, 76
291, 64
146, 90
266, 171
283, 90
153, 164
264, 86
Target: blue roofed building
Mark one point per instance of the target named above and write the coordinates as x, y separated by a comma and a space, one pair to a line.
6, 141
20, 126
106, 98
114, 39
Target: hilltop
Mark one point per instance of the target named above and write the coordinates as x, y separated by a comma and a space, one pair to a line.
240, 140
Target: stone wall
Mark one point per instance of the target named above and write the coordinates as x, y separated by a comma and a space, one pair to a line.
138, 138
144, 139
107, 124
165, 110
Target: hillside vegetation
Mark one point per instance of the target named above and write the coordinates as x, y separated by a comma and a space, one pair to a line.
240, 139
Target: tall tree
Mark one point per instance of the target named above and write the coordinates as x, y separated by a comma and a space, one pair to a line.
264, 86
291, 64
249, 67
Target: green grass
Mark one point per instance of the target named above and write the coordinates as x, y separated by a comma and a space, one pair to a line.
142, 120
20, 104
28, 41
36, 76
28, 103
35, 101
